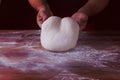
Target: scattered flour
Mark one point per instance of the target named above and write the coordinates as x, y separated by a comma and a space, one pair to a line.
43, 61
40, 60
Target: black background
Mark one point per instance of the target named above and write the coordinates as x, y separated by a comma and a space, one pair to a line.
18, 14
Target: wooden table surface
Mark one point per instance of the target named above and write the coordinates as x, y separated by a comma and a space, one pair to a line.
96, 57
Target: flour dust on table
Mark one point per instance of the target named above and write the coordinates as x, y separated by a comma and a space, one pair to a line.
26, 55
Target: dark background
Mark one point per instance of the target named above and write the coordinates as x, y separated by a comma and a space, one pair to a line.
18, 14
109, 18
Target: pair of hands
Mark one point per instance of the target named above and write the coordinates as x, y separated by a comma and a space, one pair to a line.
43, 14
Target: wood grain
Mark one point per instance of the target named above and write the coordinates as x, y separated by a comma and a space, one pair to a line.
96, 57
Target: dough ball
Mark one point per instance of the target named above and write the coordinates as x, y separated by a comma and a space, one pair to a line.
59, 34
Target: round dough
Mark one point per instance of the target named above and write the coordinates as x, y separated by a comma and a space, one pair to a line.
59, 34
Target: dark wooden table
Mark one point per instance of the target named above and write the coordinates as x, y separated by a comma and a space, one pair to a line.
96, 57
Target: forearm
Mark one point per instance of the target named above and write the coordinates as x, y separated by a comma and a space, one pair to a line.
38, 4
93, 7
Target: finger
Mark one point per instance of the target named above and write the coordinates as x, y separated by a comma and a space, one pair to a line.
39, 23
82, 25
44, 18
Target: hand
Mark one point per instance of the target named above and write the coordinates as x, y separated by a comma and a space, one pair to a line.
81, 18
42, 15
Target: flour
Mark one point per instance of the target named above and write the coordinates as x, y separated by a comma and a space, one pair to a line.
35, 59
8, 43
40, 60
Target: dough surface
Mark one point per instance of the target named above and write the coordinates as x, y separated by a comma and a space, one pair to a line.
59, 34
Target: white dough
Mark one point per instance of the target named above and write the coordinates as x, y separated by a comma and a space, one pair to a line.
59, 34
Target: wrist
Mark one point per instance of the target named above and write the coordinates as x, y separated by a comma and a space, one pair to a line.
42, 5
43, 8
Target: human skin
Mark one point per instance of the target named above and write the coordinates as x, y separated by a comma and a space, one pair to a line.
92, 7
